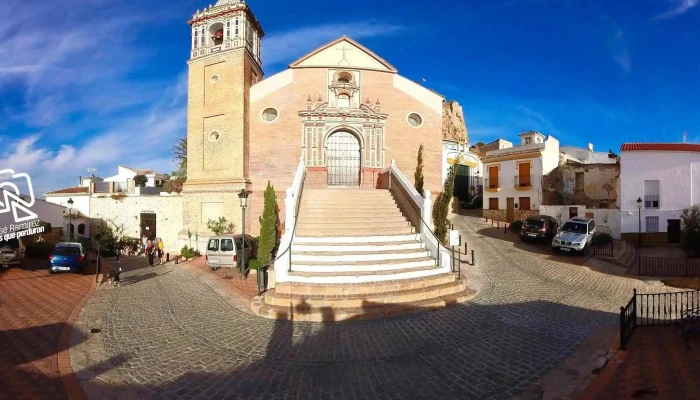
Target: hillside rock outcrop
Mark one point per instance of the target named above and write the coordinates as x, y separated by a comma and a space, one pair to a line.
454, 125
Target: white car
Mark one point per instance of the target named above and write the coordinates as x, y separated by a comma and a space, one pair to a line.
575, 235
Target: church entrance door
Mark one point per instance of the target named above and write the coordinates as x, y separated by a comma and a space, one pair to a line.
343, 159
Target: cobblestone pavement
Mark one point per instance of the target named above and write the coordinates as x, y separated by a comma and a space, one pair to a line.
34, 309
168, 332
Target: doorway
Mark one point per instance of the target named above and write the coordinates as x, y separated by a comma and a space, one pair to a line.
343, 159
148, 225
510, 209
674, 230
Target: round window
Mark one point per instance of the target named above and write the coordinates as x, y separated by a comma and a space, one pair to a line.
415, 120
213, 136
270, 114
214, 78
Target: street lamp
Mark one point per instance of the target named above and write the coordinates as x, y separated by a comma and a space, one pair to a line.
243, 195
639, 206
70, 218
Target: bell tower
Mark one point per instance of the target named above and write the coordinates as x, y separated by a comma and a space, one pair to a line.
224, 63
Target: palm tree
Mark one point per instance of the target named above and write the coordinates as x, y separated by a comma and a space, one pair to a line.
180, 153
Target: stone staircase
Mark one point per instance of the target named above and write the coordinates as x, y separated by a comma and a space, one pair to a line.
355, 256
623, 254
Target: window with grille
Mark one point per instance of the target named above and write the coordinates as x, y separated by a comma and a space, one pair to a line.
651, 194
652, 224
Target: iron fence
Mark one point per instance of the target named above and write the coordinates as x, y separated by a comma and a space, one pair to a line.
522, 181
491, 183
648, 309
605, 250
669, 266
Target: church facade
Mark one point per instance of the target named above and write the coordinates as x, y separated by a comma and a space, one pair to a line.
341, 108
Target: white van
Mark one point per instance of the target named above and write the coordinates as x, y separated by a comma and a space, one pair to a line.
221, 252
11, 252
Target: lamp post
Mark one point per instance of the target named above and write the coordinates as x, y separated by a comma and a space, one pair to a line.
639, 206
243, 195
70, 218
476, 184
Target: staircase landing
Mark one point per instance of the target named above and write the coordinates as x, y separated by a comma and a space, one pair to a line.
355, 256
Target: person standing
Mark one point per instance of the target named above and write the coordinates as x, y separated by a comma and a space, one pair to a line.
160, 250
120, 248
150, 251
144, 244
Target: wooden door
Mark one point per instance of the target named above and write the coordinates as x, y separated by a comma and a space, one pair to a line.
510, 209
674, 230
523, 174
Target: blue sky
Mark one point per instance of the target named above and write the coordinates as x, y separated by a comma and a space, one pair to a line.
96, 83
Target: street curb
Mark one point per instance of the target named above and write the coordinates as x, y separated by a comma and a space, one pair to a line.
70, 382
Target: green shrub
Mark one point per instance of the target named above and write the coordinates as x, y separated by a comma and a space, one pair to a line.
255, 264
268, 226
441, 208
187, 252
601, 239
690, 220
38, 249
221, 226
516, 226
140, 180
418, 175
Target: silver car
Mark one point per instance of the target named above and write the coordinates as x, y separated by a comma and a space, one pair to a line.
11, 252
222, 254
575, 235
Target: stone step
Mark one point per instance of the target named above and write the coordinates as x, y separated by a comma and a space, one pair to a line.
377, 225
386, 265
349, 208
353, 301
357, 239
347, 192
355, 247
629, 258
385, 286
368, 311
340, 231
336, 218
362, 276
333, 257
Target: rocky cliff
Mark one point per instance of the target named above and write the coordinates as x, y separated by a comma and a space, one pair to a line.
454, 125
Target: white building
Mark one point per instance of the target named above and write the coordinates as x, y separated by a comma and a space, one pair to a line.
658, 181
124, 179
512, 176
467, 182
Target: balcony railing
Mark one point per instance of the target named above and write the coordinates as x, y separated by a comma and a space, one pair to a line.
652, 200
522, 181
491, 183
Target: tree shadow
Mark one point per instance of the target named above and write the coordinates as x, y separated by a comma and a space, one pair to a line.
468, 351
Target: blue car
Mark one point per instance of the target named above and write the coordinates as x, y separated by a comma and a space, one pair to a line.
67, 257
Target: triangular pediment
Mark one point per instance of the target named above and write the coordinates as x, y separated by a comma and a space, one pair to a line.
343, 52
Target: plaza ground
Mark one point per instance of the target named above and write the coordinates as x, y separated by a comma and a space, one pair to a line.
538, 327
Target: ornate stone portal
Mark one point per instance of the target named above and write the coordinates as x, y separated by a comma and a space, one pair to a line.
325, 126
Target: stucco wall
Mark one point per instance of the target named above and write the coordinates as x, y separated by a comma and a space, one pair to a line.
600, 183
127, 211
678, 174
508, 170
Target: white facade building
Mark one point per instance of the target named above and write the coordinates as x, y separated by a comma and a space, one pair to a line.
512, 176
658, 181
123, 181
469, 167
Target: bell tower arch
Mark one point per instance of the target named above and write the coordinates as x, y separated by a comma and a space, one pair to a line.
224, 63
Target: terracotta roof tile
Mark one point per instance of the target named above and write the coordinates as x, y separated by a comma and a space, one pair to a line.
70, 190
660, 147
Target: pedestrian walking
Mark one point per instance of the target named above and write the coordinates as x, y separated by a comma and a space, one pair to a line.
150, 252
159, 248
120, 248
144, 244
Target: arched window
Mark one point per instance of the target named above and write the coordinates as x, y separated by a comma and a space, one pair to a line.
81, 229
344, 101
71, 228
343, 79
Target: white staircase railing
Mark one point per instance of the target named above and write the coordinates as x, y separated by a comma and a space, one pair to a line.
283, 262
425, 206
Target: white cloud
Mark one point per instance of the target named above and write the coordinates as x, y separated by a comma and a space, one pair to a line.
619, 49
679, 7
290, 45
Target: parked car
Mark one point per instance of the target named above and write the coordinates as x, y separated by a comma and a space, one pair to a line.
67, 256
575, 235
539, 227
222, 254
475, 202
11, 252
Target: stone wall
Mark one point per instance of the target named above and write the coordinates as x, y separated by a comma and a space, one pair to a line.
600, 185
454, 125
127, 211
649, 239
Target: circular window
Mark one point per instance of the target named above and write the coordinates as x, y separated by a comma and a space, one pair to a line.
415, 120
213, 136
269, 115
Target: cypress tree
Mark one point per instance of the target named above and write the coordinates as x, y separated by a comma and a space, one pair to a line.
419, 172
268, 227
441, 207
